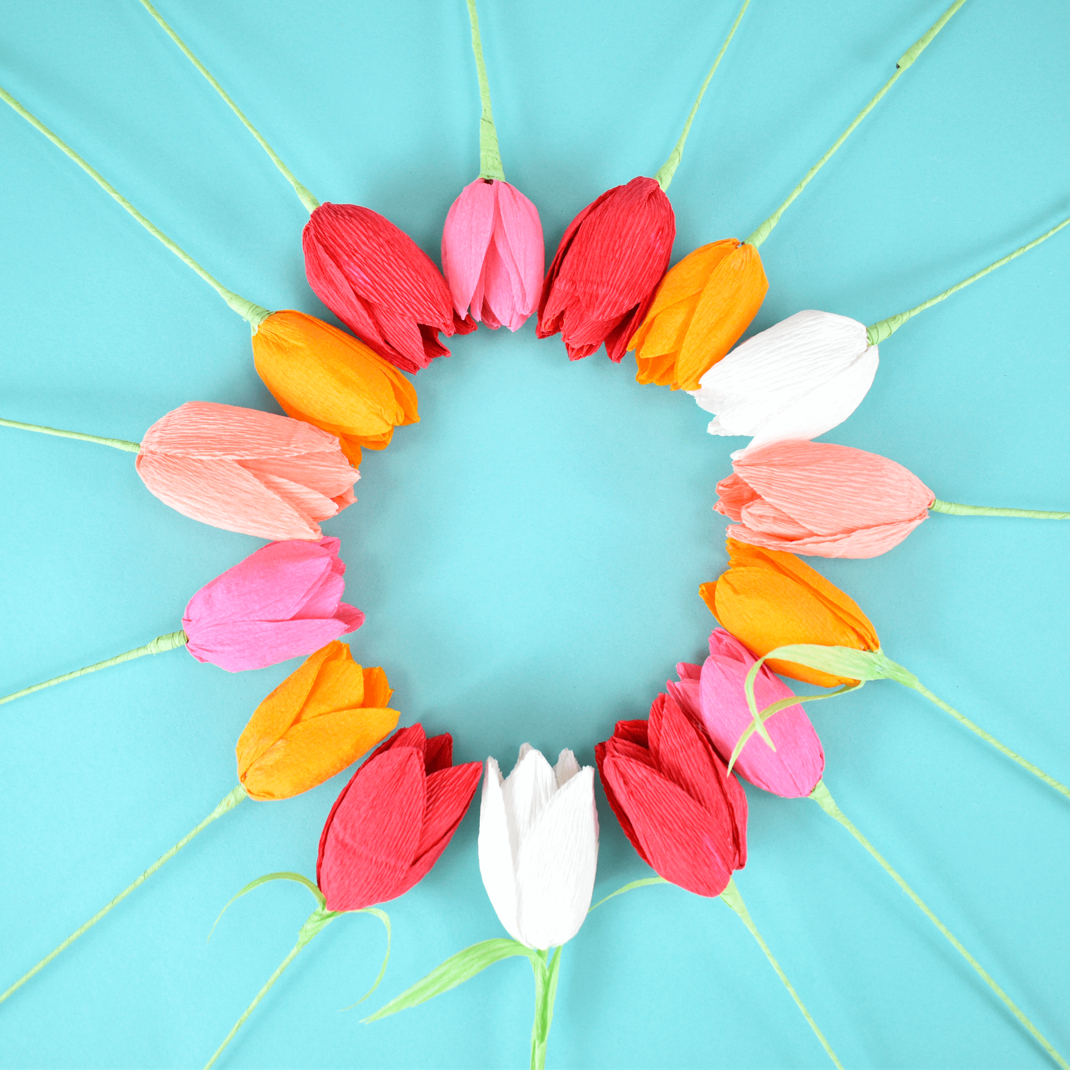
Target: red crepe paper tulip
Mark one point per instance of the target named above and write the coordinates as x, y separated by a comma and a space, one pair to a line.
492, 254
280, 602
380, 284
712, 694
602, 279
393, 820
244, 470
822, 499
674, 798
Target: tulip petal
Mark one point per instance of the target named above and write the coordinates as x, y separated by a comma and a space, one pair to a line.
521, 229
497, 851
438, 753
255, 644
683, 755
567, 767
377, 689
449, 794
465, 239
865, 542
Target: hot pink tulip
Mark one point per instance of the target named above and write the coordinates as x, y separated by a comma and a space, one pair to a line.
280, 602
245, 470
492, 254
713, 695
822, 499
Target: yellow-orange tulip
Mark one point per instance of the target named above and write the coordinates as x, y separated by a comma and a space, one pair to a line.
700, 309
328, 378
769, 598
320, 719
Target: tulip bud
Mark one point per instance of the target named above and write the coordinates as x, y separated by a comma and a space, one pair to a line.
768, 599
602, 278
538, 846
280, 602
393, 820
244, 470
492, 254
675, 800
796, 380
380, 284
699, 311
326, 377
320, 719
822, 499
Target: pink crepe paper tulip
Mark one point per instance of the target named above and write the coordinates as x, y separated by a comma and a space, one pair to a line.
713, 695
822, 499
281, 602
492, 254
245, 470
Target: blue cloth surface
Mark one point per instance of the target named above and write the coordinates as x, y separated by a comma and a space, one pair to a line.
528, 555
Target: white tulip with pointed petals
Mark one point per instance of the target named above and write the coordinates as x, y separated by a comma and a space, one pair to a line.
538, 846
798, 379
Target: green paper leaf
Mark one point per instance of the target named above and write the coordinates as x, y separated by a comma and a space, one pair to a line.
297, 878
455, 971
385, 919
628, 887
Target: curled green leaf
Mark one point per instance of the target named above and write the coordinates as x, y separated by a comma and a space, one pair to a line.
297, 878
385, 919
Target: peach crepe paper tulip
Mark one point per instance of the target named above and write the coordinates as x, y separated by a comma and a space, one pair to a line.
712, 694
700, 310
822, 499
493, 254
768, 599
326, 377
320, 719
245, 470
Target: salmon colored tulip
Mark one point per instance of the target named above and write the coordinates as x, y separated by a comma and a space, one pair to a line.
700, 309
822, 499
380, 284
326, 377
768, 599
320, 719
245, 470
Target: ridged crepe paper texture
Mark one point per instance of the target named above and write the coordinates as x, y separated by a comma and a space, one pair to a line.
528, 554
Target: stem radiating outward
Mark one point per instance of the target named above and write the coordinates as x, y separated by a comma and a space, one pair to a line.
228, 803
545, 966
249, 311
300, 189
490, 160
117, 443
161, 643
905, 61
956, 509
823, 798
668, 168
877, 332
733, 899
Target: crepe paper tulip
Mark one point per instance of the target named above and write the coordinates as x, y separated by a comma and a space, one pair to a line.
336, 382
320, 719
613, 254
387, 828
683, 812
715, 697
367, 271
706, 302
808, 373
827, 500
538, 851
238, 469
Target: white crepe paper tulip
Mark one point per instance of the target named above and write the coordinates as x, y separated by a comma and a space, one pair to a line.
796, 380
538, 846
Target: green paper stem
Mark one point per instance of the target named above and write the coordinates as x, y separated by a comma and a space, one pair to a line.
117, 443
957, 509
490, 160
546, 971
310, 202
823, 797
668, 168
161, 643
732, 898
905, 61
877, 332
249, 311
317, 920
228, 803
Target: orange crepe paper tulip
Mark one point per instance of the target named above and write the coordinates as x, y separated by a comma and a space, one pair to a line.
700, 310
320, 719
769, 598
328, 378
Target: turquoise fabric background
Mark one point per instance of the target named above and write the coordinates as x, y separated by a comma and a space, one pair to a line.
528, 556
